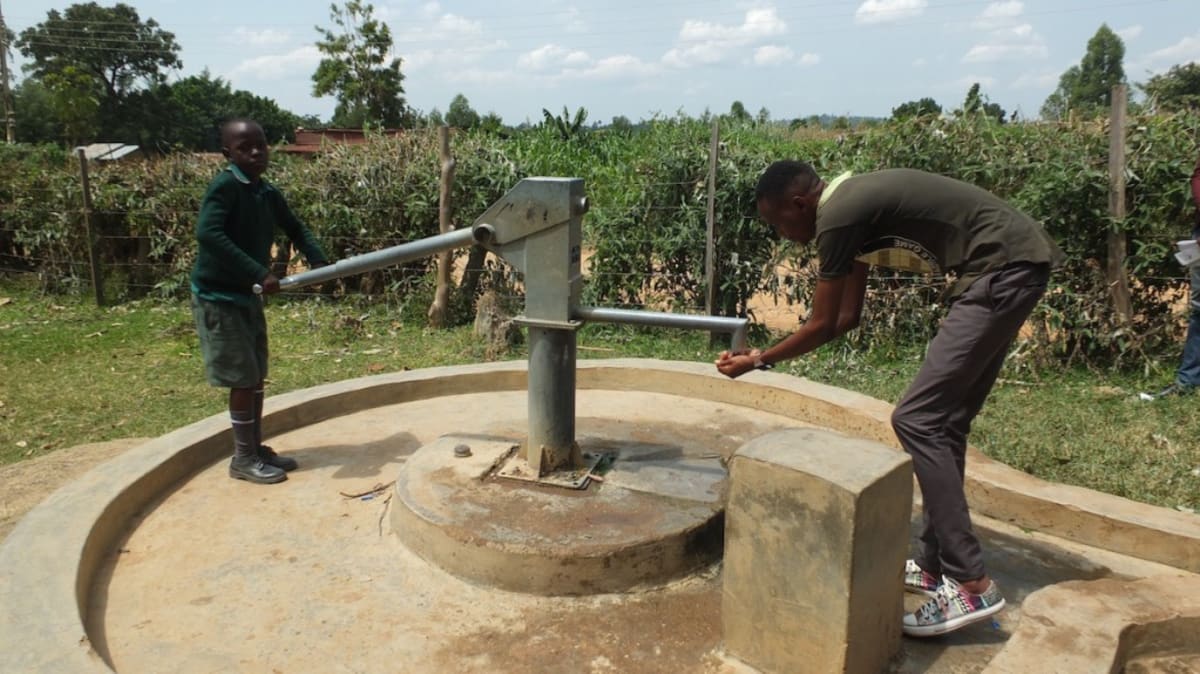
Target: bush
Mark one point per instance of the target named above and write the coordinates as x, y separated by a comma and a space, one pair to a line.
648, 192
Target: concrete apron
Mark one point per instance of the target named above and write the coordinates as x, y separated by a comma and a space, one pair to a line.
49, 582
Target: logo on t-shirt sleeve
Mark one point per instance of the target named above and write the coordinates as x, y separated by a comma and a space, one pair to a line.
896, 252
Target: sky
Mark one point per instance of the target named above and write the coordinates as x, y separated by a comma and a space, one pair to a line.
640, 58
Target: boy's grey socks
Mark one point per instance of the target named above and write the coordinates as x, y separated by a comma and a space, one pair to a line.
258, 407
245, 444
247, 464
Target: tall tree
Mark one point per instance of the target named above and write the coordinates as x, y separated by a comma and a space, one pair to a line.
34, 110
738, 112
920, 108
621, 124
112, 45
1176, 89
1087, 88
978, 104
75, 102
492, 123
460, 114
358, 69
567, 126
194, 108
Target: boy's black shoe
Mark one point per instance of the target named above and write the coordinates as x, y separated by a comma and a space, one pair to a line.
269, 457
253, 469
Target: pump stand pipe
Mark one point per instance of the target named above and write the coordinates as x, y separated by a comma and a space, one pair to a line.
736, 327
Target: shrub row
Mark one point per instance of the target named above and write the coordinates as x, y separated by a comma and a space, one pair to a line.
648, 189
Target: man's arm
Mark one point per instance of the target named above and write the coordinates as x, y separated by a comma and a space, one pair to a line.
836, 309
1196, 186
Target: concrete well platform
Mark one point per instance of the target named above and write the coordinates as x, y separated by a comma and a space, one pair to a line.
655, 517
157, 560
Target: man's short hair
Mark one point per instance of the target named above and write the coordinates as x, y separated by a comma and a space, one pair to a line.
781, 176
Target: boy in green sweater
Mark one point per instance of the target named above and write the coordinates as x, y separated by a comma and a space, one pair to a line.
238, 217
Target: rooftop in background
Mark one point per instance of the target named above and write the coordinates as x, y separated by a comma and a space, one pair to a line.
310, 141
106, 151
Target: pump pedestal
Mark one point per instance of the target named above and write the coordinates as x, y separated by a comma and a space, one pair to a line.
652, 519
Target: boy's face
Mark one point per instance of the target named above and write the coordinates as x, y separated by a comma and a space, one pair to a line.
245, 145
793, 215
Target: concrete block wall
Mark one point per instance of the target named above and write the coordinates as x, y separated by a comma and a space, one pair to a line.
815, 541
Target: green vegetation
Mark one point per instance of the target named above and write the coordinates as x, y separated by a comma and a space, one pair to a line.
1086, 89
71, 373
359, 68
647, 187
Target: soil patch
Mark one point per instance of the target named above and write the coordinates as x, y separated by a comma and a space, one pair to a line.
25, 484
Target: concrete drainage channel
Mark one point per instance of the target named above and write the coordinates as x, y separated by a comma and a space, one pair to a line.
140, 563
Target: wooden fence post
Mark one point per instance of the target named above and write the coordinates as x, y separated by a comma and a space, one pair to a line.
1118, 280
93, 244
710, 248
441, 297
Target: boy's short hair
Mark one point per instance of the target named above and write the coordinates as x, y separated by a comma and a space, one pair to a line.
224, 128
782, 175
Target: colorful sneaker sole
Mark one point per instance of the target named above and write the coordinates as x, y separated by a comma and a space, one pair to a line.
954, 624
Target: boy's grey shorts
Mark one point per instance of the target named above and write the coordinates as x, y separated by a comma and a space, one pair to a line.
233, 341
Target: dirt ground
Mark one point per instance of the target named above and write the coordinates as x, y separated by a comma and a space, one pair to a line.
25, 484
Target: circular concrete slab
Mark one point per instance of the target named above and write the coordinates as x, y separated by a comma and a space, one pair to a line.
655, 516
158, 557
221, 575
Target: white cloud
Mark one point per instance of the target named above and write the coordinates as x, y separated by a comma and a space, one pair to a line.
259, 38
759, 23
1186, 50
1130, 32
614, 67
809, 59
454, 25
772, 55
1015, 43
883, 11
1036, 80
704, 42
445, 41
1008, 9
451, 58
920, 62
551, 56
274, 66
701, 54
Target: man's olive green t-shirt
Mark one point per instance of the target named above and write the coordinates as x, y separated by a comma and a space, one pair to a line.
923, 222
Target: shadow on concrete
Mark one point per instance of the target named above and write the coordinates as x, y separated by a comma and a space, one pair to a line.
358, 461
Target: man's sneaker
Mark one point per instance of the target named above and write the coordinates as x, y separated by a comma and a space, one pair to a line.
916, 580
1174, 390
269, 457
952, 608
253, 469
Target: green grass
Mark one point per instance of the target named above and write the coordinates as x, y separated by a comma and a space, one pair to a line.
72, 373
